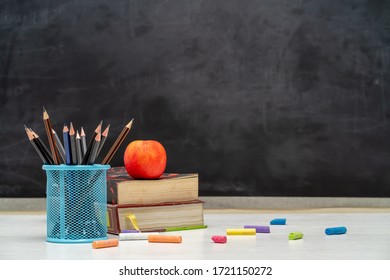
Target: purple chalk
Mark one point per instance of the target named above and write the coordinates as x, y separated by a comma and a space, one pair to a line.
129, 231
259, 229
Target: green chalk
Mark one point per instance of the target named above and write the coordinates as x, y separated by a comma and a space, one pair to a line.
295, 235
185, 228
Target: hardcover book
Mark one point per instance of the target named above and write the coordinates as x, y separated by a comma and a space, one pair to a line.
154, 217
170, 187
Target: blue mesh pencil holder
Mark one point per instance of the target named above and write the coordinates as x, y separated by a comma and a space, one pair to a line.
76, 203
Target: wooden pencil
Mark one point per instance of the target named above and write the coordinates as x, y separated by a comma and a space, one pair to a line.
45, 151
95, 148
31, 138
68, 149
72, 137
83, 142
103, 139
117, 143
78, 148
60, 147
90, 145
50, 136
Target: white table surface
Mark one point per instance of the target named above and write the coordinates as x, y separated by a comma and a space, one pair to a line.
23, 237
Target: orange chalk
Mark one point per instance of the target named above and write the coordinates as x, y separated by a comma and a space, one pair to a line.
105, 243
164, 238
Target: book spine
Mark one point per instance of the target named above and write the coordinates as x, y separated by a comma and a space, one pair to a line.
112, 192
112, 220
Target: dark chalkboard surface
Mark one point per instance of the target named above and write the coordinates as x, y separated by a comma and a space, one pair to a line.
266, 97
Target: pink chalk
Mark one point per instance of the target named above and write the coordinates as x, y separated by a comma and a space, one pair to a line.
219, 238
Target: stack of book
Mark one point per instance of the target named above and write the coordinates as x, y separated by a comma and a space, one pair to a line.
164, 204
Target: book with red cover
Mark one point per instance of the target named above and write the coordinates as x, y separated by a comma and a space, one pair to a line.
154, 217
170, 187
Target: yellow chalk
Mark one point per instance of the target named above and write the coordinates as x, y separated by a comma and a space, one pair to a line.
133, 221
241, 231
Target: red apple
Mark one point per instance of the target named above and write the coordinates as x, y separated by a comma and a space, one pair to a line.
145, 159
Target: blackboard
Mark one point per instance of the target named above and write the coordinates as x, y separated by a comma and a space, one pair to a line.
261, 98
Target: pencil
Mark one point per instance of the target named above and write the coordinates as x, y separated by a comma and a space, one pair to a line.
45, 151
78, 148
95, 147
90, 145
49, 132
104, 137
60, 147
31, 138
117, 143
68, 149
72, 136
83, 142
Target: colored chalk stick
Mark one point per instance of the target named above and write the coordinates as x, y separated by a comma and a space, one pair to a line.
295, 235
219, 239
335, 230
155, 238
185, 228
97, 244
259, 229
135, 235
130, 231
278, 221
241, 231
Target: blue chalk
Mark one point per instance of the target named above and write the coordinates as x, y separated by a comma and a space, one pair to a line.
278, 222
335, 230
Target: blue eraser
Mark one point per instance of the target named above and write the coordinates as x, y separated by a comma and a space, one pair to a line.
278, 222
335, 230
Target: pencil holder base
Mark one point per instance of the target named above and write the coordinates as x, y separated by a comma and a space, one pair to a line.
76, 203
68, 241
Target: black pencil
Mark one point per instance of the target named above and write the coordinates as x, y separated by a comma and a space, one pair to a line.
72, 136
117, 143
31, 138
45, 151
78, 148
103, 139
83, 142
90, 145
95, 147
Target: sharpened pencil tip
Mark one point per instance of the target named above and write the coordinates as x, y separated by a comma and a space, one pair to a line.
45, 114
82, 133
71, 129
105, 132
130, 123
99, 127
